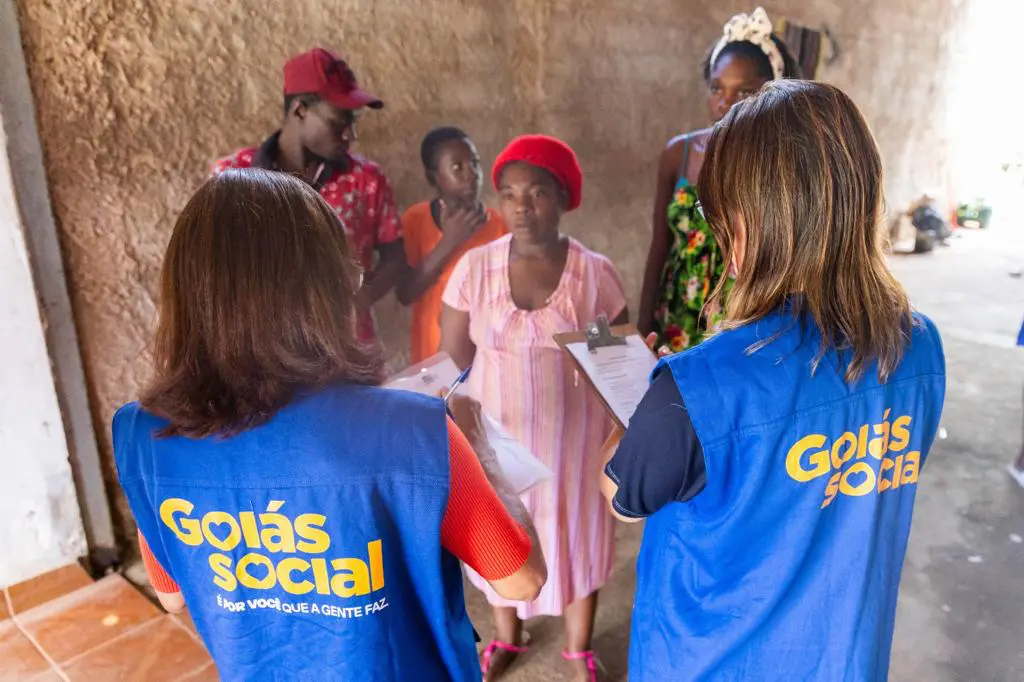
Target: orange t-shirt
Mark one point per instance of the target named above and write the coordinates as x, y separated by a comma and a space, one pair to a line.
422, 236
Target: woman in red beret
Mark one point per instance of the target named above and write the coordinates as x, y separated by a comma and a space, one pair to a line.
503, 304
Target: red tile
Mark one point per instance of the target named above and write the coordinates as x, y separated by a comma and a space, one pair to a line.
47, 587
185, 620
81, 621
159, 651
49, 676
4, 613
19, 659
207, 674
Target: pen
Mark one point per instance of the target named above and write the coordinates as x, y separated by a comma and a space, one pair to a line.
461, 379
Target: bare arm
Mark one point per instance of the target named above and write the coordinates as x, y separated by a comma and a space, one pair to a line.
610, 488
388, 272
525, 584
457, 225
455, 339
421, 277
172, 603
657, 255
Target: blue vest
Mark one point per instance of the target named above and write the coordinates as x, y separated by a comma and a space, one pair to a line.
787, 566
309, 548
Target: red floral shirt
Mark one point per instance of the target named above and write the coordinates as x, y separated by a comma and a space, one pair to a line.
361, 196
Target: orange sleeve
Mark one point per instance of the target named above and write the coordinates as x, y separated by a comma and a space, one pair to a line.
158, 577
477, 528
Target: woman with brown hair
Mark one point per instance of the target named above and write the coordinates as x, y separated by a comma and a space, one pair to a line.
311, 521
777, 462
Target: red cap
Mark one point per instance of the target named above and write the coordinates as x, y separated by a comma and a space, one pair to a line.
548, 153
322, 73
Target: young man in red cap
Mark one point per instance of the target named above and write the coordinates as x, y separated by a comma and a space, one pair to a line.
322, 102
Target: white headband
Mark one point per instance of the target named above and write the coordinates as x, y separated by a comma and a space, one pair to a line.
754, 28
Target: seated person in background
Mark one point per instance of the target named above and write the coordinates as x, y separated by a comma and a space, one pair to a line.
438, 232
311, 521
322, 104
503, 303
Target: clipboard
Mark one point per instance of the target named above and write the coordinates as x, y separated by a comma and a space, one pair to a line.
614, 361
434, 376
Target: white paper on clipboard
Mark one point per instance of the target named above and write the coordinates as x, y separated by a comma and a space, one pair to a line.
432, 377
621, 374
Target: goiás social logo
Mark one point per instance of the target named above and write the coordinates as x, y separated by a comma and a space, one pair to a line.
871, 458
293, 554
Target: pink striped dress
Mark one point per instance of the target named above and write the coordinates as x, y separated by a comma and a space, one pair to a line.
524, 380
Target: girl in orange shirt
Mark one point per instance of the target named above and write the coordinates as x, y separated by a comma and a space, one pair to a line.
438, 232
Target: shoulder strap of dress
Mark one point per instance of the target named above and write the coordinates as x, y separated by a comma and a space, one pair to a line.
686, 159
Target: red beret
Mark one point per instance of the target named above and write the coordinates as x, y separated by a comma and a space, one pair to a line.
548, 153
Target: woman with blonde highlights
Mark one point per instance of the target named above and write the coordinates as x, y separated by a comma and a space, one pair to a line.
777, 462
804, 218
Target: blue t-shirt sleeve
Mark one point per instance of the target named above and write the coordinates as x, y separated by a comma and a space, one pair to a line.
660, 459
131, 430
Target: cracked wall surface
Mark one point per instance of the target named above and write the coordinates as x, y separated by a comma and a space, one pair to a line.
136, 97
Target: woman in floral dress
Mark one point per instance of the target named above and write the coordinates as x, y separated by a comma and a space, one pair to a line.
691, 275
684, 264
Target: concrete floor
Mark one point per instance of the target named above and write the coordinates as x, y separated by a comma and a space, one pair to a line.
961, 610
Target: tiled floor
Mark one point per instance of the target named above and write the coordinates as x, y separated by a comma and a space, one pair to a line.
98, 631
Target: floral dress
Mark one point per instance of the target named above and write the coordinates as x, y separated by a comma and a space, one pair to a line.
691, 273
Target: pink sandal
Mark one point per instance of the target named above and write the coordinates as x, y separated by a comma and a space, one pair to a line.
588, 657
494, 646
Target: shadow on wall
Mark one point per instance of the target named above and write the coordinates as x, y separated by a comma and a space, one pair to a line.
134, 104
